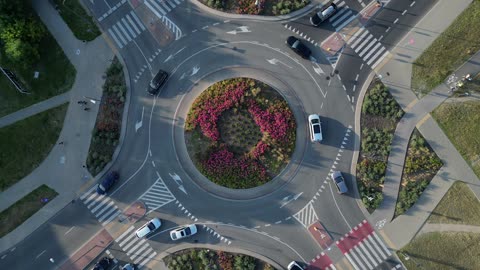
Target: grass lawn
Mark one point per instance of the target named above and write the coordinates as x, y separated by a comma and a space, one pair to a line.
458, 206
442, 251
57, 75
451, 49
461, 123
77, 19
26, 143
20, 211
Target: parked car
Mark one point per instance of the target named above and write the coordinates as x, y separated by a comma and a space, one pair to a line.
103, 264
298, 47
323, 14
183, 232
129, 266
339, 181
107, 182
315, 126
294, 266
148, 227
157, 82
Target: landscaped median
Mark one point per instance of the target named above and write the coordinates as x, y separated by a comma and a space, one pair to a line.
26, 143
108, 125
257, 7
26, 207
380, 115
450, 50
211, 259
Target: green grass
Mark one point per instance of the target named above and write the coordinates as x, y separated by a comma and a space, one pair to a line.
461, 123
442, 251
57, 75
26, 143
77, 19
458, 206
20, 211
451, 49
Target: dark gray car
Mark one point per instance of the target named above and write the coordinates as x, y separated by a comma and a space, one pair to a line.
157, 82
339, 181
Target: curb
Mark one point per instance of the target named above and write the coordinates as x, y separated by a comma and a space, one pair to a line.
356, 148
290, 16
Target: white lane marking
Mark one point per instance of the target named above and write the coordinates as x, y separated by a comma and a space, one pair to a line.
336, 204
413, 3
403, 13
396, 20
40, 254
69, 230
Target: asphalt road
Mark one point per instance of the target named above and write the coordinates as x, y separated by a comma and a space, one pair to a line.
198, 48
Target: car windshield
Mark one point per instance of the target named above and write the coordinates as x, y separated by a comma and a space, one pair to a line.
296, 44
316, 129
327, 11
315, 121
338, 179
188, 231
101, 187
151, 226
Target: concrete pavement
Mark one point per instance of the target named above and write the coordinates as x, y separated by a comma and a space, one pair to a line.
62, 170
401, 230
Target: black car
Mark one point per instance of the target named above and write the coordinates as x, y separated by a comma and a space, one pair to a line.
103, 264
297, 46
326, 12
157, 82
107, 182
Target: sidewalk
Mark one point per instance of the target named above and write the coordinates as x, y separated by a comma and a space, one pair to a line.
62, 170
401, 230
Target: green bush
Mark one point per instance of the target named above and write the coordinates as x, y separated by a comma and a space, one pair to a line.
371, 197
243, 262
409, 194
286, 6
376, 143
380, 102
372, 172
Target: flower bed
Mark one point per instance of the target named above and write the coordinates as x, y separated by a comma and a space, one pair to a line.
211, 259
252, 7
380, 115
109, 120
240, 133
421, 165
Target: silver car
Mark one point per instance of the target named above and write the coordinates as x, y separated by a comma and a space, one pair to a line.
148, 228
315, 126
183, 232
339, 181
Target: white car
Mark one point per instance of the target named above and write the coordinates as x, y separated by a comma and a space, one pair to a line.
294, 266
339, 182
148, 227
315, 126
183, 232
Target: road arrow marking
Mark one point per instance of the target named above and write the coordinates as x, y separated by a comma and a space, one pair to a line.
318, 69
274, 61
140, 123
288, 200
170, 57
242, 29
179, 182
195, 70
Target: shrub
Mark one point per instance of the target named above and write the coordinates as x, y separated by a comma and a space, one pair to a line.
376, 143
225, 260
286, 6
380, 102
243, 262
409, 194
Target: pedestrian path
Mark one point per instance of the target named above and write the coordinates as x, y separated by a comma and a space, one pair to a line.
363, 247
157, 196
367, 47
101, 206
126, 29
306, 215
161, 7
137, 249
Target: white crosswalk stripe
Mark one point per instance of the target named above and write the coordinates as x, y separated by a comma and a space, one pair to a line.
102, 207
136, 249
343, 16
126, 29
306, 215
369, 253
157, 196
161, 7
368, 48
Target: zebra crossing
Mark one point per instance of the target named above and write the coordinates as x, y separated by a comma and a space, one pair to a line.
157, 195
363, 247
343, 16
161, 7
367, 47
306, 215
137, 249
126, 29
101, 206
